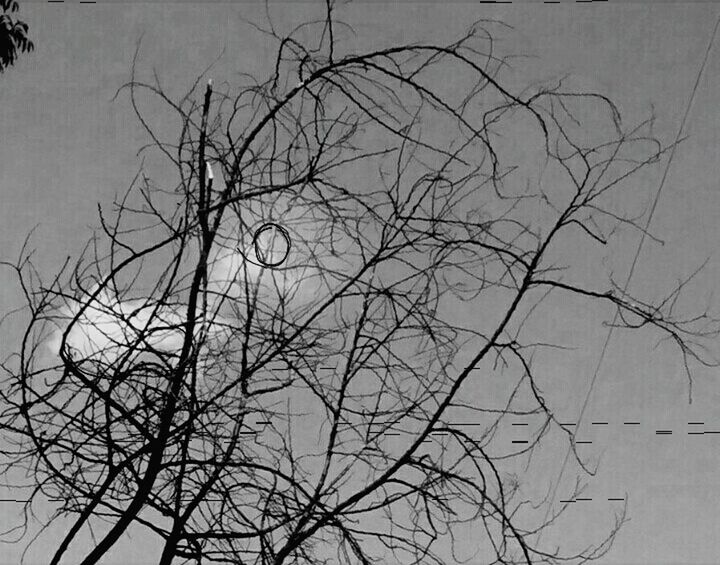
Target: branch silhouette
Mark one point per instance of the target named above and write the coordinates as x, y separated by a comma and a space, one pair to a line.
268, 359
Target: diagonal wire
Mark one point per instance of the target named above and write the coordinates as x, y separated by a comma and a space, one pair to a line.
632, 270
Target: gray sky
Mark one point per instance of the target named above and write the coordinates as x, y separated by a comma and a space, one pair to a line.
64, 146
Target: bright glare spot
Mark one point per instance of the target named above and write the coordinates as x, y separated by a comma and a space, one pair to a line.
108, 326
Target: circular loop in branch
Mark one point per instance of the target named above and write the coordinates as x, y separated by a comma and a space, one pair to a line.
266, 236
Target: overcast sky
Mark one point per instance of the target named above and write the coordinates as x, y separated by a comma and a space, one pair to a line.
65, 145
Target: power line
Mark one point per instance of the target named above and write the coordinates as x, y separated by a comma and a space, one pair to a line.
632, 269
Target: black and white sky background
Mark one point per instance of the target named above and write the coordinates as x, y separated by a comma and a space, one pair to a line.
65, 145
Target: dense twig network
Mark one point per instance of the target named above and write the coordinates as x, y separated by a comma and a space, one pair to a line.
245, 400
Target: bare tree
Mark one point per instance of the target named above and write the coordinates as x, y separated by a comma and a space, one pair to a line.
269, 361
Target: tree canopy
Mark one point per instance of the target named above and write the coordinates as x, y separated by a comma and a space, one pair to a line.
307, 343
13, 35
